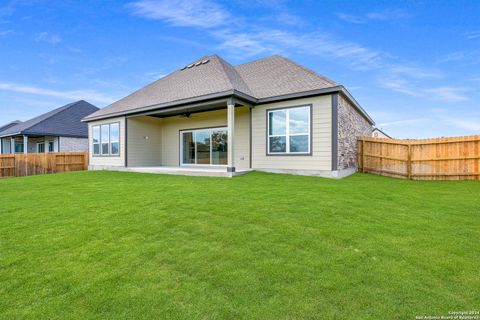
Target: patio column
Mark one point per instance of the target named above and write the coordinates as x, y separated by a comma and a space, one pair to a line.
12, 145
231, 136
25, 144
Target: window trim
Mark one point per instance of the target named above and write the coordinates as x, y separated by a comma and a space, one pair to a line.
109, 140
267, 132
38, 147
193, 130
15, 147
48, 146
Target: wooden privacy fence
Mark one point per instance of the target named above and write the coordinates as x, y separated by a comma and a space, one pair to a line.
18, 165
456, 158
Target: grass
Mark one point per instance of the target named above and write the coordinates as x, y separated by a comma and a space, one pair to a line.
111, 245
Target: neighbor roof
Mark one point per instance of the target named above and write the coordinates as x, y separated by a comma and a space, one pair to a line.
63, 121
264, 80
9, 125
380, 130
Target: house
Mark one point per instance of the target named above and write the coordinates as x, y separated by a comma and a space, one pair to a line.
60, 130
283, 118
377, 133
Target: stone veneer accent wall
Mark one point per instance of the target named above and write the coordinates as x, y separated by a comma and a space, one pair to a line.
351, 124
73, 144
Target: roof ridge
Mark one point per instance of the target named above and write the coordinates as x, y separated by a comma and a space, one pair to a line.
259, 59
308, 70
225, 63
224, 73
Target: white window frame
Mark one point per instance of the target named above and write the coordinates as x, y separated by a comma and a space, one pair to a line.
109, 154
111, 142
48, 146
15, 147
287, 134
38, 147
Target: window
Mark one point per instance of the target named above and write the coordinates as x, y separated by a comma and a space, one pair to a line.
51, 146
106, 139
96, 140
114, 138
289, 130
18, 147
41, 147
207, 146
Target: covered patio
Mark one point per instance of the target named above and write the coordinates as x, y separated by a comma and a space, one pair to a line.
211, 138
187, 171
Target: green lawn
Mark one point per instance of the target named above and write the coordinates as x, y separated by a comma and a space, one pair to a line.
110, 245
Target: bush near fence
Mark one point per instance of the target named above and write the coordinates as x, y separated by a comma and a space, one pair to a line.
18, 165
455, 158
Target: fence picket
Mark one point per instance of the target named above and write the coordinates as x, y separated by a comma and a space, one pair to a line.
455, 158
17, 165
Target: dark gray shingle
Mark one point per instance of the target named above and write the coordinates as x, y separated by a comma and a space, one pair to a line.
63, 121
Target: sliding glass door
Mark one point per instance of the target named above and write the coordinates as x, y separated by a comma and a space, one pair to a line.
203, 146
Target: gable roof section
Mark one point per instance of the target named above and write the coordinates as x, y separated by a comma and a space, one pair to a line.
63, 121
215, 76
277, 76
9, 125
269, 79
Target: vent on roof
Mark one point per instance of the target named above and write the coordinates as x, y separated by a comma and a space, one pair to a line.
195, 64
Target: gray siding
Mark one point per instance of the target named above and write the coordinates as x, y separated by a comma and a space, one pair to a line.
107, 160
144, 141
321, 157
73, 144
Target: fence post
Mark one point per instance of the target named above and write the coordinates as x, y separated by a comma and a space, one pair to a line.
363, 156
409, 162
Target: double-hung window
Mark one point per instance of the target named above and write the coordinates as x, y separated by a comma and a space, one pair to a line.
106, 139
289, 130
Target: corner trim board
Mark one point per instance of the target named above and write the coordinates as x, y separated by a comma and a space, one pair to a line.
250, 139
334, 131
126, 141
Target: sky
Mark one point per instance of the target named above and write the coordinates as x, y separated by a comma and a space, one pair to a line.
414, 66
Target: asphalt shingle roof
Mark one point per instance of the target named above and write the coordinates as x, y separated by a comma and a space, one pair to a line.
277, 76
269, 77
9, 125
63, 121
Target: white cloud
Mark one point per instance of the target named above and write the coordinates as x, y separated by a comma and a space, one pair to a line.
320, 44
245, 41
472, 34
402, 86
351, 18
448, 94
386, 15
404, 122
186, 13
442, 93
48, 37
470, 125
73, 95
4, 33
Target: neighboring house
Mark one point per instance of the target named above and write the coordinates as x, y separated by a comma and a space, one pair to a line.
60, 130
377, 133
283, 116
